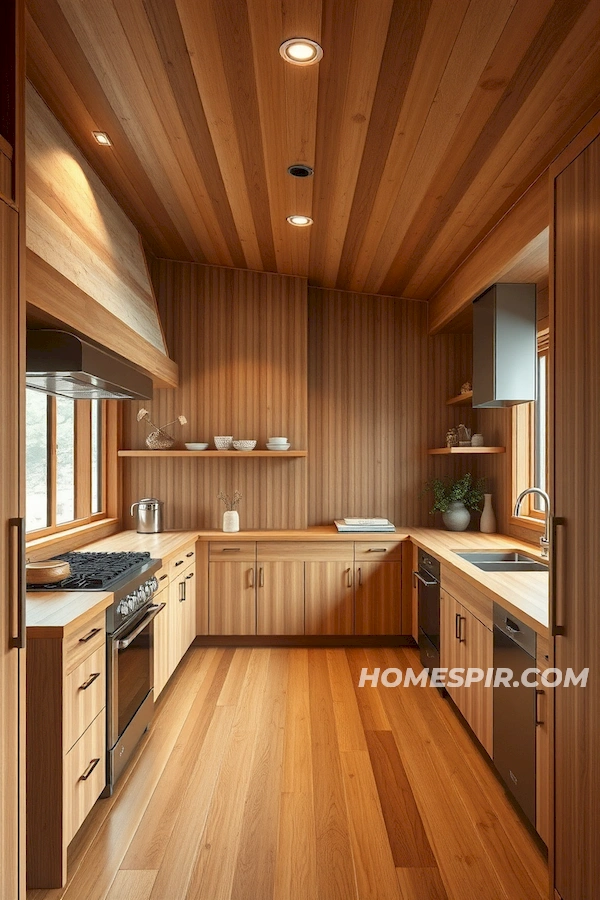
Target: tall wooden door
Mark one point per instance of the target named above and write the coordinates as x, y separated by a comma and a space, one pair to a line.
575, 610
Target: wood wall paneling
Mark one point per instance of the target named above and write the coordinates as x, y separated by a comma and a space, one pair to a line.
575, 368
239, 339
445, 114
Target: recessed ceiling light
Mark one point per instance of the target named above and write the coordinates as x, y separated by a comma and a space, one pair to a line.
299, 170
300, 221
102, 138
301, 51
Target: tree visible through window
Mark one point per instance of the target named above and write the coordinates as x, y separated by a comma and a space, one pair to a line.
530, 440
65, 447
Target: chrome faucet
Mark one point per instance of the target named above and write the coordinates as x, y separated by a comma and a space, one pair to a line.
545, 538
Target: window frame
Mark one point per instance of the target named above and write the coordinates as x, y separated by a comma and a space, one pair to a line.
523, 450
83, 469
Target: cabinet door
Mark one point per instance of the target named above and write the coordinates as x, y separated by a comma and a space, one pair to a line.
329, 597
378, 603
187, 610
231, 598
280, 597
451, 649
161, 642
477, 644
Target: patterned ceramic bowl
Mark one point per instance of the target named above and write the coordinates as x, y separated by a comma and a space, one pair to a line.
224, 442
244, 445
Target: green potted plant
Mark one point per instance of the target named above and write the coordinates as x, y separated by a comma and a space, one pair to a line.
455, 498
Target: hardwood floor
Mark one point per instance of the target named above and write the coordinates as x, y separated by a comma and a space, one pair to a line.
268, 773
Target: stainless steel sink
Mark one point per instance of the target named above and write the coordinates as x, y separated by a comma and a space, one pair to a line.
502, 561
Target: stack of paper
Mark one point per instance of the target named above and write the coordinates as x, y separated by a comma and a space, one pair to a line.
373, 524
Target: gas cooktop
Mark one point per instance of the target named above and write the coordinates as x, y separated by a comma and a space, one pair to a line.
97, 571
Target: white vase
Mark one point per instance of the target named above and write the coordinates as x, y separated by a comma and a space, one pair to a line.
457, 516
231, 521
488, 519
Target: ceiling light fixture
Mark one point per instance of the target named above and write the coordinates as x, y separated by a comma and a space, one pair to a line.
102, 138
300, 170
300, 221
301, 51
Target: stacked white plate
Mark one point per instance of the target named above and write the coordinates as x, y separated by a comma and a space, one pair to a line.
278, 443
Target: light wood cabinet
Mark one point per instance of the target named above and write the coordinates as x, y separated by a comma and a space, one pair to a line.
466, 643
280, 597
175, 626
378, 598
66, 743
329, 597
232, 597
182, 614
161, 642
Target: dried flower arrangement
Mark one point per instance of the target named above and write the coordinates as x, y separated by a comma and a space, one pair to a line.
159, 439
230, 502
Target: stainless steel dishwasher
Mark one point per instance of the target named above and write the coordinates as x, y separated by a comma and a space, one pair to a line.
515, 710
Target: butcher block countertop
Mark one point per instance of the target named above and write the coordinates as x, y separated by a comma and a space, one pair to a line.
55, 614
523, 594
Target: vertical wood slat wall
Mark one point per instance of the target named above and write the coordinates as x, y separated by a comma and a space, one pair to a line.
239, 338
353, 377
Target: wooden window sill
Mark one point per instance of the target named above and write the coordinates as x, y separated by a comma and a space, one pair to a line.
528, 522
63, 541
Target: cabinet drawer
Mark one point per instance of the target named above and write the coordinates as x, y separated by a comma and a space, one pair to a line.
84, 696
328, 551
84, 776
84, 641
232, 551
466, 593
182, 560
162, 576
371, 551
281, 550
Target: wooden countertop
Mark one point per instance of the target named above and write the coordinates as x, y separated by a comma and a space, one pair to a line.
524, 594
56, 614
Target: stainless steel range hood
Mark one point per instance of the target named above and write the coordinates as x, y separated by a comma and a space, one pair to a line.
60, 363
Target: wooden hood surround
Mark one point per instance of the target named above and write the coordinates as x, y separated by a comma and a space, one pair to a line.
86, 267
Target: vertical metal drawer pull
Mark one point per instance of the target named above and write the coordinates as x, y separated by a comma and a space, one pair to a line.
89, 682
87, 637
89, 769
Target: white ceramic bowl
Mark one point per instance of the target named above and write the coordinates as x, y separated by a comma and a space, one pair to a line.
278, 446
195, 446
224, 442
277, 440
244, 445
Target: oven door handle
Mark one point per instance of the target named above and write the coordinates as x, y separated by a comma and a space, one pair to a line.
424, 581
152, 614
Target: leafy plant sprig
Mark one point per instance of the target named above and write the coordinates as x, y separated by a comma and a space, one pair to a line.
230, 502
449, 490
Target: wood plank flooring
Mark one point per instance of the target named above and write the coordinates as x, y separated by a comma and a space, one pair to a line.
268, 774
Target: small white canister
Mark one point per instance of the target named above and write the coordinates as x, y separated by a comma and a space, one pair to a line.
477, 440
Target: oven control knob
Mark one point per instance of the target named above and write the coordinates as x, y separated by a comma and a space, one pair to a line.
122, 608
153, 585
141, 595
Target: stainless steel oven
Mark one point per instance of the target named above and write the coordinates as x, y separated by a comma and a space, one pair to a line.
428, 577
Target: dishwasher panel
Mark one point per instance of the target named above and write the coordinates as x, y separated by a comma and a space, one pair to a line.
514, 711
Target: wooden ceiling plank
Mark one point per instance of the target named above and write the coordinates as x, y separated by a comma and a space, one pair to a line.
405, 34
168, 34
141, 41
482, 26
72, 91
472, 140
203, 42
440, 34
536, 135
520, 233
100, 34
369, 33
287, 98
337, 27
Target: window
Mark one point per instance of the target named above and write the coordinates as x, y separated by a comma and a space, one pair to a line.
65, 462
530, 440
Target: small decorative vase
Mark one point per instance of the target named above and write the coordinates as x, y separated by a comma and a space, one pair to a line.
159, 440
231, 521
488, 519
457, 516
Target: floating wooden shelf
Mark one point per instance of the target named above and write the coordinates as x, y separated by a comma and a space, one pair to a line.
461, 400
262, 454
446, 451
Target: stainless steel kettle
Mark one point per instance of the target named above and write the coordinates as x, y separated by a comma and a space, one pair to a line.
148, 515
